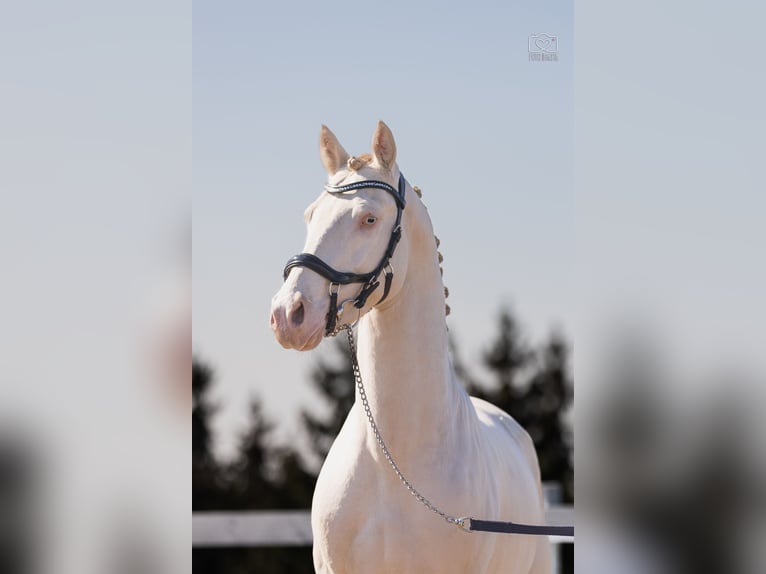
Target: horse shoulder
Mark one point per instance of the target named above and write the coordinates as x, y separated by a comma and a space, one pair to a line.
340, 494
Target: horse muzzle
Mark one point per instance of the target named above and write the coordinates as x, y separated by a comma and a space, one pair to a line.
294, 322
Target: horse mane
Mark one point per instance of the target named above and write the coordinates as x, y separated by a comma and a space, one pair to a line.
447, 308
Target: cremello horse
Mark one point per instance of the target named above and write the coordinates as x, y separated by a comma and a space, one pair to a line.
465, 455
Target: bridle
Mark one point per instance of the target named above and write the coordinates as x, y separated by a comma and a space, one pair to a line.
369, 280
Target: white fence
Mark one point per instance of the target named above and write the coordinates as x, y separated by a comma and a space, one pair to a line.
293, 527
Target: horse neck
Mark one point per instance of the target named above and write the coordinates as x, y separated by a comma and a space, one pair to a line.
403, 353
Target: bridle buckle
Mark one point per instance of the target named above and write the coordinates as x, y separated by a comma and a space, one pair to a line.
339, 313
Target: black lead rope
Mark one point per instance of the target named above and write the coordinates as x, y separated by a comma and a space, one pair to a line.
475, 525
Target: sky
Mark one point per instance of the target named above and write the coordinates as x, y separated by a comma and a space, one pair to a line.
486, 133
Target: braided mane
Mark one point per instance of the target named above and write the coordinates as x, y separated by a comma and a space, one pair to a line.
356, 163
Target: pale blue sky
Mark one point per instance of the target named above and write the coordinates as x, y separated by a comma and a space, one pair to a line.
484, 132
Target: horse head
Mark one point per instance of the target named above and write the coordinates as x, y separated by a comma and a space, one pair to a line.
350, 254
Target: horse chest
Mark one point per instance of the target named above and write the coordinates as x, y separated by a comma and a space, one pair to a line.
378, 534
363, 521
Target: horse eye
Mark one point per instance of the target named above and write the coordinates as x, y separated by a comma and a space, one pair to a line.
370, 220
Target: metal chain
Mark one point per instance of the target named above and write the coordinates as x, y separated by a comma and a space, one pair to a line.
460, 522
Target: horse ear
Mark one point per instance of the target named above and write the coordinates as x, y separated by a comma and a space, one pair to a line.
333, 154
383, 146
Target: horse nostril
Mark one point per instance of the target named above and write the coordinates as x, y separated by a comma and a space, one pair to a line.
296, 317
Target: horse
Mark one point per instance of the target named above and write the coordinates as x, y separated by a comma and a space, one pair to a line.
461, 456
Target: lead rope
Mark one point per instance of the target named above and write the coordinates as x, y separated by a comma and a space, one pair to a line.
367, 411
465, 523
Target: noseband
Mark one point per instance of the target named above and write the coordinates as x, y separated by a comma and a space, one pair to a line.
369, 280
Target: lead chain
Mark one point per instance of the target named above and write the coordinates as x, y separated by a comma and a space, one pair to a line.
379, 438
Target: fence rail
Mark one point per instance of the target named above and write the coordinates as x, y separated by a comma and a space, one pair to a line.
293, 527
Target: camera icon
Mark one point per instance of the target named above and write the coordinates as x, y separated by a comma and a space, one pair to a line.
542, 43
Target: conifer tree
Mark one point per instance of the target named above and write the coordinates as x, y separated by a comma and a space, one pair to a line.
507, 358
545, 405
335, 383
205, 472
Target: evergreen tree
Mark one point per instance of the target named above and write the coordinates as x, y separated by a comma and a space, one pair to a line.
250, 478
262, 476
205, 472
268, 476
545, 405
508, 358
295, 483
334, 381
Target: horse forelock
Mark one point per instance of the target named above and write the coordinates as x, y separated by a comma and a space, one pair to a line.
356, 163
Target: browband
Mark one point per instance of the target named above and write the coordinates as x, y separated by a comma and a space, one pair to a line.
398, 195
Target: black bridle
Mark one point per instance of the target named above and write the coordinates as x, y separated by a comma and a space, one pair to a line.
369, 280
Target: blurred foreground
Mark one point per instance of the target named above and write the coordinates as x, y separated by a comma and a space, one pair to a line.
671, 472
95, 450
95, 295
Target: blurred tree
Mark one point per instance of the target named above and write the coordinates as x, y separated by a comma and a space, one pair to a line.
334, 382
507, 358
250, 477
206, 491
265, 475
294, 480
545, 405
262, 475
